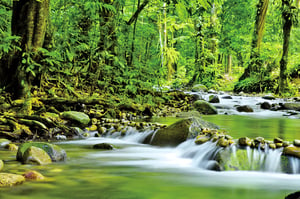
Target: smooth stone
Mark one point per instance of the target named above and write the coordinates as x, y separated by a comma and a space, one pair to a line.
269, 97
103, 146
244, 108
78, 117
4, 142
245, 141
265, 105
291, 106
9, 180
278, 140
292, 151
222, 142
33, 175
205, 107
214, 99
200, 139
11, 147
227, 97
55, 152
272, 146
35, 155
295, 195
296, 142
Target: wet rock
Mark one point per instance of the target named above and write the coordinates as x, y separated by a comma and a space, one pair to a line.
265, 105
223, 142
35, 155
296, 143
272, 146
199, 88
212, 91
33, 175
78, 117
11, 147
259, 141
227, 97
103, 146
285, 143
179, 132
213, 166
291, 106
269, 97
9, 180
295, 195
4, 142
278, 140
292, 151
55, 152
244, 141
1, 165
200, 139
244, 108
214, 99
205, 107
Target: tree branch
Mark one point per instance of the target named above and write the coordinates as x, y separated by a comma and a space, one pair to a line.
137, 12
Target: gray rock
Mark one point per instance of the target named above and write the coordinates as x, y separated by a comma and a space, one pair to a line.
244, 108
205, 107
78, 117
291, 106
214, 99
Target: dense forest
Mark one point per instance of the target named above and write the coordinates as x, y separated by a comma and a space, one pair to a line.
129, 47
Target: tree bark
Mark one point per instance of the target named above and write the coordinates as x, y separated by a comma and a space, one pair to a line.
260, 20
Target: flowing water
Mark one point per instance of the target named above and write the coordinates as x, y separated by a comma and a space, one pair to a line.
135, 170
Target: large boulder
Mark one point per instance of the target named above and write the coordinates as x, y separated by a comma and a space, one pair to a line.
77, 117
205, 107
291, 106
35, 155
244, 108
55, 152
199, 88
8, 180
179, 132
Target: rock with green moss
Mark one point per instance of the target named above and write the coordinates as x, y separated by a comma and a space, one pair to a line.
11, 147
199, 88
9, 180
78, 117
292, 151
4, 142
103, 146
33, 175
205, 107
1, 165
55, 152
179, 132
244, 141
292, 106
201, 139
35, 155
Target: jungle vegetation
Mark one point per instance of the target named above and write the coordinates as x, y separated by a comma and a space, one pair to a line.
129, 47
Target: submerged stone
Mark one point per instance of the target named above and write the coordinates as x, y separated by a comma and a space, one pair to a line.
33, 175
8, 180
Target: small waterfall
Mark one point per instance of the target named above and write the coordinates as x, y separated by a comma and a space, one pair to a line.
294, 164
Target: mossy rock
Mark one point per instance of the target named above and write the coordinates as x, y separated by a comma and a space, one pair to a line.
214, 99
78, 117
55, 152
33, 175
103, 146
9, 180
179, 132
292, 106
205, 107
292, 151
35, 155
201, 139
11, 147
199, 88
245, 141
1, 165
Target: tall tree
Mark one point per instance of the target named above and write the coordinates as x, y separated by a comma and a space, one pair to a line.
29, 22
255, 63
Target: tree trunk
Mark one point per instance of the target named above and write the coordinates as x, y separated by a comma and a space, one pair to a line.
287, 27
255, 63
29, 21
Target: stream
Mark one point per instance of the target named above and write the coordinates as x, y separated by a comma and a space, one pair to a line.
135, 170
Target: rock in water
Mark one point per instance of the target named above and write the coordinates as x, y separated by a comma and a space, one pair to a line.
295, 195
205, 107
292, 106
103, 146
245, 108
33, 175
4, 142
265, 105
292, 151
8, 180
55, 152
35, 155
178, 132
78, 117
214, 99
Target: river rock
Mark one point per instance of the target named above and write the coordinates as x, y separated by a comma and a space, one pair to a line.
265, 105
35, 155
11, 147
227, 97
199, 88
78, 117
244, 108
205, 107
296, 142
1, 165
278, 140
200, 139
269, 97
295, 195
33, 175
245, 141
292, 151
291, 106
55, 152
223, 142
103, 146
9, 180
179, 132
4, 142
272, 146
214, 99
